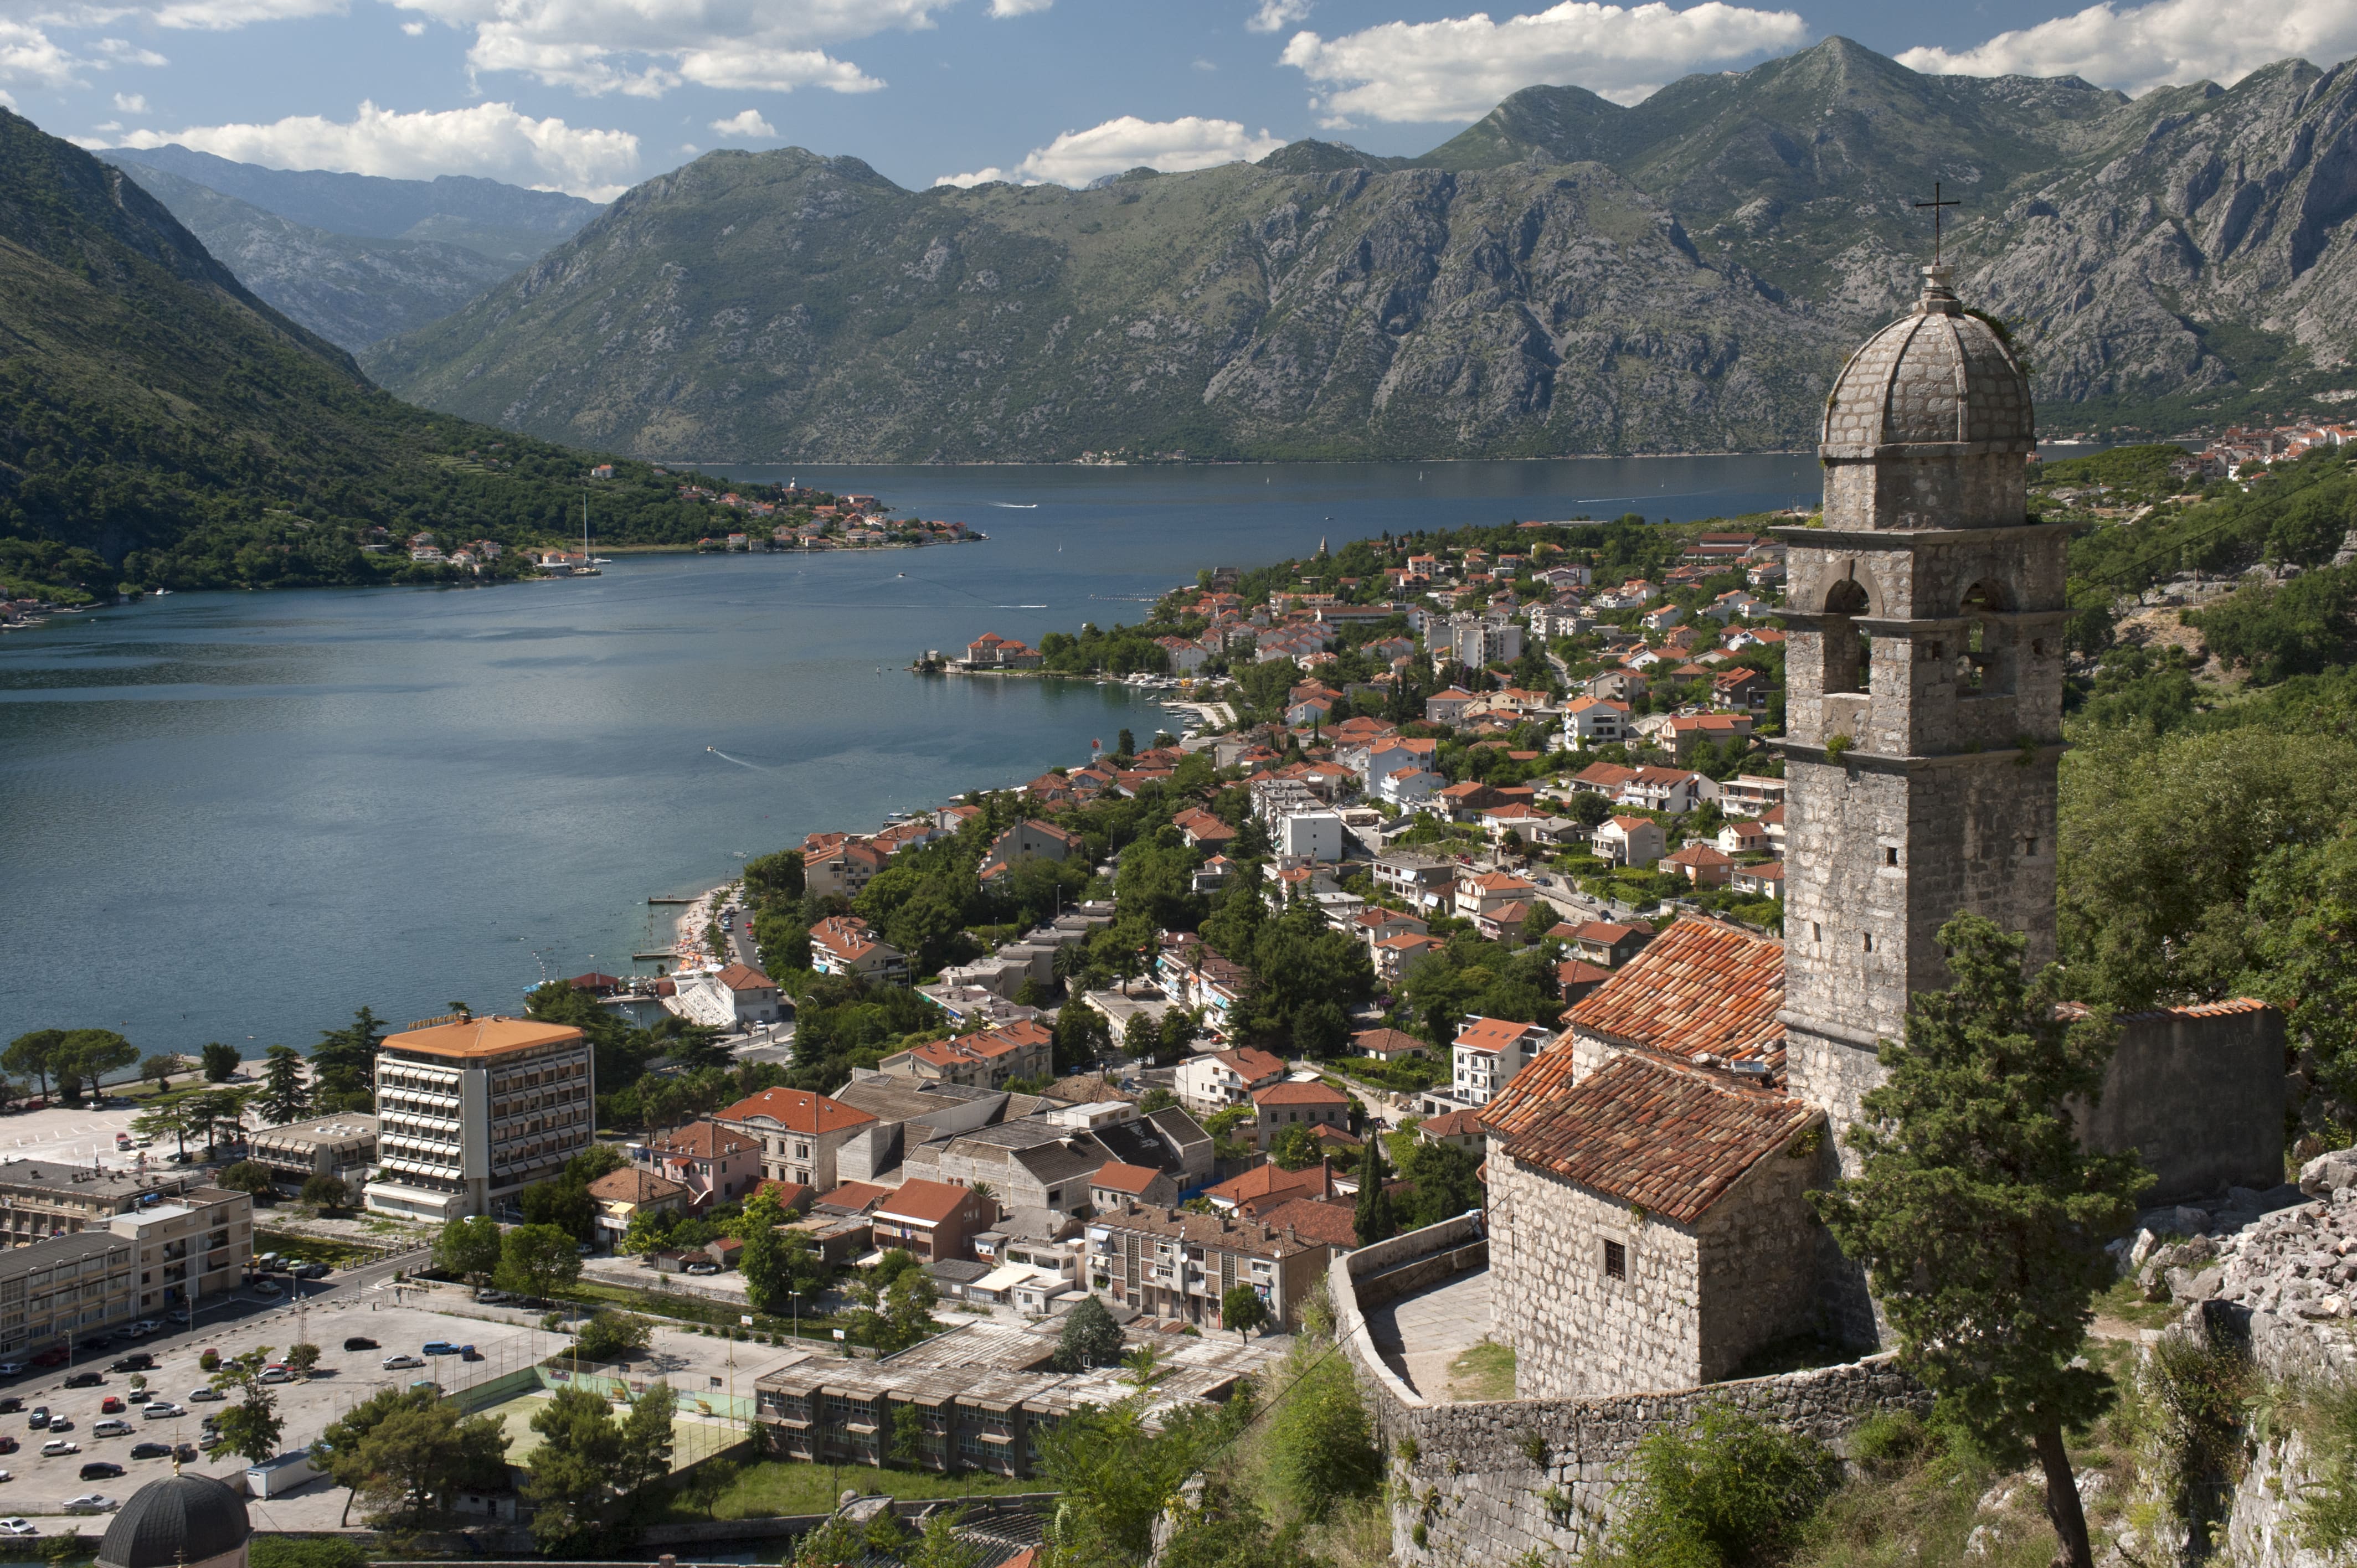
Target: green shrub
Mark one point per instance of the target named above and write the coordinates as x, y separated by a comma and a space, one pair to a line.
1322, 1445
1726, 1490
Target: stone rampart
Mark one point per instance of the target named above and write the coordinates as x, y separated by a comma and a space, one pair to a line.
1488, 1483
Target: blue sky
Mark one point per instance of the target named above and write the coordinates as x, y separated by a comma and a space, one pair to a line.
595, 95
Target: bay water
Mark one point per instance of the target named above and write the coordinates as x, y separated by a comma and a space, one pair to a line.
238, 816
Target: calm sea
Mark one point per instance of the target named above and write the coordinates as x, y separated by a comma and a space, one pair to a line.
240, 816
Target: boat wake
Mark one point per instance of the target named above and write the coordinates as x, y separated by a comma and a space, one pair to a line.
1017, 506
739, 761
1019, 607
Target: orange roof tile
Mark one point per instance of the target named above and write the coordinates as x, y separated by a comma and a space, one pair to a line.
705, 1140
491, 1037
1132, 1180
1316, 1220
1668, 1139
1301, 1094
927, 1202
797, 1111
1700, 989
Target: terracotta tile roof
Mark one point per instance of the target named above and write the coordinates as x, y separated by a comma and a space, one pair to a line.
797, 1111
1700, 989
490, 1036
858, 1196
1493, 1034
745, 977
632, 1185
705, 1141
1270, 1179
1386, 1042
1221, 1233
1301, 1094
927, 1202
1454, 1125
793, 1195
1251, 1065
1574, 972
1668, 1139
1699, 853
1318, 1220
1131, 1179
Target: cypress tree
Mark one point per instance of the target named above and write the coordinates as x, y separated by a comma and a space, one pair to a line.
1375, 1220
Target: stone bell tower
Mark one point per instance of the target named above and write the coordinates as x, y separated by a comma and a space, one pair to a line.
1925, 690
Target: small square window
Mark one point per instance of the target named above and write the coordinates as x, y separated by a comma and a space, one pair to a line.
2029, 846
1616, 1260
1867, 936
1890, 856
1816, 932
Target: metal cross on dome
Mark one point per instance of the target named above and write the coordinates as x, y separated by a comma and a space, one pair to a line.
1935, 204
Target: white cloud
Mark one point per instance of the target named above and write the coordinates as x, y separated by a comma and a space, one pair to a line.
122, 51
28, 54
491, 139
1275, 15
415, 29
748, 124
108, 126
131, 103
1077, 157
1018, 7
1460, 68
648, 46
2138, 47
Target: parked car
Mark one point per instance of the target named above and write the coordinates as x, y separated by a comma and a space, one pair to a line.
164, 1409
137, 1361
115, 1427
141, 1396
204, 1396
313, 1272
39, 1418
8, 1443
151, 1451
276, 1372
702, 1269
57, 1446
11, 1368
92, 1502
360, 1342
86, 1379
147, 1325
101, 1470
19, 1526
184, 1452
55, 1356
267, 1288
492, 1297
12, 1405
468, 1353
111, 1405
98, 1342
396, 1362
439, 1347
61, 1424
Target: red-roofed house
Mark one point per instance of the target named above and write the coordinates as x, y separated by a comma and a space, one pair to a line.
1628, 840
731, 998
933, 1221
1321, 1220
622, 1195
799, 1131
1702, 864
1216, 1079
1116, 1184
1703, 991
845, 866
1489, 1052
1388, 1045
1281, 1105
1457, 1129
1203, 829
986, 1060
1268, 1185
842, 944
714, 1164
1029, 840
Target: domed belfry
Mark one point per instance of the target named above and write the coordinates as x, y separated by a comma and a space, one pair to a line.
1925, 689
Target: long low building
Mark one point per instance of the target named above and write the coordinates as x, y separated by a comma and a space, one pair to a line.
42, 1197
160, 1255
985, 1395
342, 1146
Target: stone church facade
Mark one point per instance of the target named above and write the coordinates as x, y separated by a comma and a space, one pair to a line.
1648, 1228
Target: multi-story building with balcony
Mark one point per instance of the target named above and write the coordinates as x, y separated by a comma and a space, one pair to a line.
1175, 1265
188, 1249
472, 1112
62, 1286
42, 1197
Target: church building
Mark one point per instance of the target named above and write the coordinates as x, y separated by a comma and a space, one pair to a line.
1648, 1228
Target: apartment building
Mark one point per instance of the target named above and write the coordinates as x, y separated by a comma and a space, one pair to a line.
188, 1249
42, 1198
1175, 1265
62, 1285
472, 1110
1489, 1052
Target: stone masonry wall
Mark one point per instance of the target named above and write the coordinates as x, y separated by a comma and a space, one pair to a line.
2200, 1096
1481, 1486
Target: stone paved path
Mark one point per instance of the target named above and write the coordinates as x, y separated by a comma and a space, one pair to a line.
1419, 1335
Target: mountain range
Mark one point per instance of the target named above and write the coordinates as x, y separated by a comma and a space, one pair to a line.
355, 258
1567, 275
160, 423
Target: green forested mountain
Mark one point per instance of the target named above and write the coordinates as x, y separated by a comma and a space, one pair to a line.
1566, 276
160, 425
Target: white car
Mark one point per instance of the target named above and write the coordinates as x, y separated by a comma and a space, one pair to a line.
265, 1287
157, 1408
112, 1426
19, 1526
57, 1446
396, 1362
147, 1325
93, 1503
205, 1396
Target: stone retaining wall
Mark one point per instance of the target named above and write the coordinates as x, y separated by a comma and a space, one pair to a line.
1491, 1482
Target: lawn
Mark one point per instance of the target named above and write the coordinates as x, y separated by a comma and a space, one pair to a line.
313, 1249
1483, 1371
695, 1309
783, 1486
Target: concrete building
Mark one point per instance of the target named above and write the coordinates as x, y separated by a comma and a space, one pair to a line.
342, 1146
1313, 1104
59, 1286
472, 1112
990, 1059
1213, 1080
799, 1133
1307, 835
622, 1195
185, 1250
1174, 1265
715, 1163
40, 1197
1487, 1053
735, 997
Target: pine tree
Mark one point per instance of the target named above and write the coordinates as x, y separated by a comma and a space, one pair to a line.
1375, 1220
285, 1096
1978, 1215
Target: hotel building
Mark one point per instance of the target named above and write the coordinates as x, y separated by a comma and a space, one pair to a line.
472, 1112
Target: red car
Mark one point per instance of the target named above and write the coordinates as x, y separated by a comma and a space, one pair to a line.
111, 1405
55, 1356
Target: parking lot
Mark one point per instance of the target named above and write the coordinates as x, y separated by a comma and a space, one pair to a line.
507, 1340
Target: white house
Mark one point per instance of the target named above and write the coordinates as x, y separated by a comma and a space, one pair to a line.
1595, 721
736, 997
1216, 1079
1489, 1052
1629, 840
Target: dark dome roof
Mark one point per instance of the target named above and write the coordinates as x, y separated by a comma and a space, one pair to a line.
1936, 377
176, 1520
